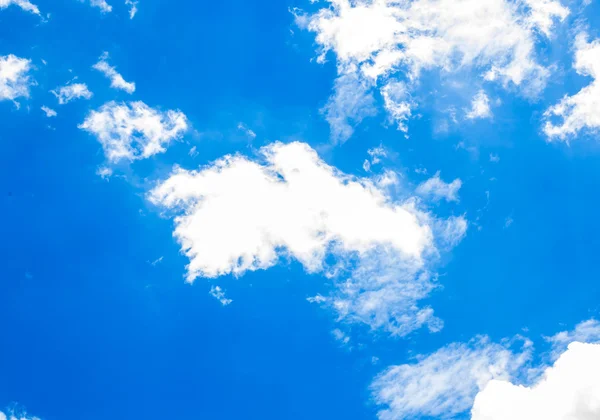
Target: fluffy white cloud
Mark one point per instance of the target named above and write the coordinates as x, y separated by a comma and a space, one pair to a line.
397, 103
219, 294
437, 189
116, 80
14, 78
49, 112
134, 130
376, 38
238, 215
570, 390
23, 4
480, 107
68, 93
582, 110
446, 382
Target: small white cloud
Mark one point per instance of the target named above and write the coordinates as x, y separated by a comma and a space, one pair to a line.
437, 189
350, 102
494, 158
132, 8
248, 132
219, 294
49, 112
134, 130
23, 4
480, 107
116, 80
14, 77
508, 222
193, 152
445, 383
582, 110
68, 93
397, 103
317, 299
156, 261
340, 336
102, 5
16, 415
104, 172
570, 390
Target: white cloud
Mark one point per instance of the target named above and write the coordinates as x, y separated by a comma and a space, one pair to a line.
494, 158
49, 112
104, 172
350, 102
134, 130
437, 189
570, 390
582, 110
116, 80
132, 8
446, 382
480, 107
496, 39
239, 215
340, 336
12, 415
585, 332
102, 5
14, 78
247, 131
68, 93
219, 294
397, 103
23, 4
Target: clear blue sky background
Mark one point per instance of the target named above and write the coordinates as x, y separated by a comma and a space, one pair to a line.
92, 330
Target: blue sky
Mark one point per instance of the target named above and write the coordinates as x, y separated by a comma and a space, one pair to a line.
291, 210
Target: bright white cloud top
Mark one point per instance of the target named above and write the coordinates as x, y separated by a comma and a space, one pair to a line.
582, 110
134, 130
14, 77
23, 4
240, 215
71, 92
116, 80
373, 39
570, 390
480, 107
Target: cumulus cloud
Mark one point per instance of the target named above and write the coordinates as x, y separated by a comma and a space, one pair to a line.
582, 110
14, 77
23, 4
134, 130
68, 93
219, 294
373, 39
446, 382
238, 215
437, 189
570, 390
480, 107
116, 80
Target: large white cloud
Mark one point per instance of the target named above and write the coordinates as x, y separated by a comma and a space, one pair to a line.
375, 38
23, 4
582, 110
116, 80
445, 383
570, 390
238, 215
134, 130
14, 77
